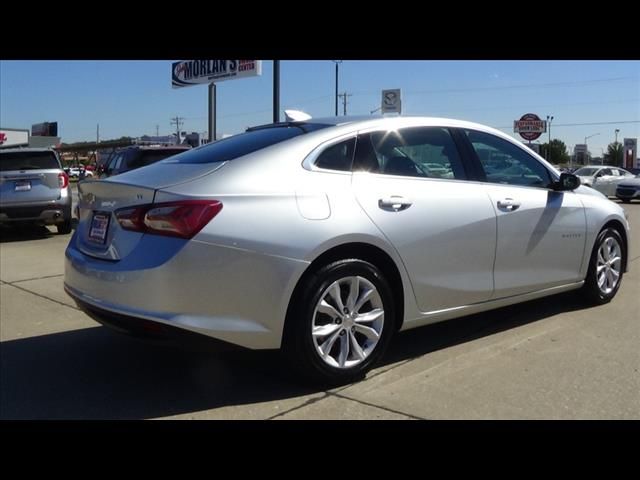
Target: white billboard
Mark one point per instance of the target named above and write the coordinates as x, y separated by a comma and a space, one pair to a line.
10, 137
196, 72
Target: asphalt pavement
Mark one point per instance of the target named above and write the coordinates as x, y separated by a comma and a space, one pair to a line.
552, 358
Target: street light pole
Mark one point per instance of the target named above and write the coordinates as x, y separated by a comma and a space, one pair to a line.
549, 120
585, 141
337, 62
617, 130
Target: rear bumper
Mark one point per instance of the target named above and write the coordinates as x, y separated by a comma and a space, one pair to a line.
233, 295
49, 213
628, 193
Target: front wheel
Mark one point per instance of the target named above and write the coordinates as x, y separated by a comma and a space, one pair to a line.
341, 322
605, 268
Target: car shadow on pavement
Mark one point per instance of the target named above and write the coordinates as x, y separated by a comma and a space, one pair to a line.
20, 233
95, 373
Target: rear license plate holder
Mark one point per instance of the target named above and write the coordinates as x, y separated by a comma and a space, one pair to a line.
99, 227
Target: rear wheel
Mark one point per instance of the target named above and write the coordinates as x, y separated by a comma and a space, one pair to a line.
342, 322
64, 227
605, 268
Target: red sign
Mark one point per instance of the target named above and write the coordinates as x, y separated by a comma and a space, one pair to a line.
3, 137
530, 126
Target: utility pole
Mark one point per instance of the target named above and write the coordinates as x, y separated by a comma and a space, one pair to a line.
276, 91
337, 62
177, 121
157, 130
97, 142
344, 102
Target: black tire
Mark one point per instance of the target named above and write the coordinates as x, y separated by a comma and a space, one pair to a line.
626, 200
590, 291
298, 343
64, 228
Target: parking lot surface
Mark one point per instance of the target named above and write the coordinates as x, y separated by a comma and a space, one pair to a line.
552, 358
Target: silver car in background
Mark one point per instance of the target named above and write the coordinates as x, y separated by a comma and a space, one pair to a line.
324, 237
604, 179
34, 188
629, 189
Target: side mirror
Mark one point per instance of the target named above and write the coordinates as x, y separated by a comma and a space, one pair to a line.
568, 181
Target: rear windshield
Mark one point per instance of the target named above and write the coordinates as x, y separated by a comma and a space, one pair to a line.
147, 157
27, 161
244, 143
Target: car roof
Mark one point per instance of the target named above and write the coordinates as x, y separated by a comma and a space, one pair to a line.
26, 149
157, 147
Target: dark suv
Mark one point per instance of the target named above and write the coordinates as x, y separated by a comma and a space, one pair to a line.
34, 188
130, 158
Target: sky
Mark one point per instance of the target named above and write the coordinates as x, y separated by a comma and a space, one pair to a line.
135, 98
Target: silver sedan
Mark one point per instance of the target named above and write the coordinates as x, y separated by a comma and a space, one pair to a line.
324, 237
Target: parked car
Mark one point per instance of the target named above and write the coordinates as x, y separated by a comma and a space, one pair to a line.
34, 188
75, 172
323, 237
603, 178
130, 158
629, 189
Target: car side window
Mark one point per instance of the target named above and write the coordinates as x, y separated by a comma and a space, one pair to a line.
506, 163
604, 171
114, 164
428, 152
338, 156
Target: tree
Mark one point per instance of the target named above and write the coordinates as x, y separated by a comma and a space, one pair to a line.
614, 154
557, 152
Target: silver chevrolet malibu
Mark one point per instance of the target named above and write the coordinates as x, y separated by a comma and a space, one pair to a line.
324, 237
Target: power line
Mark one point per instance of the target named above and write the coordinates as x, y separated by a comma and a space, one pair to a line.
530, 85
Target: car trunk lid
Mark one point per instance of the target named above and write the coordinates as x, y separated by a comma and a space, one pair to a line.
99, 233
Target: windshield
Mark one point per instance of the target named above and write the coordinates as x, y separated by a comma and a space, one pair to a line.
243, 144
586, 172
28, 161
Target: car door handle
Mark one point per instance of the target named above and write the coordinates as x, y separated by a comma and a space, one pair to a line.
508, 204
394, 203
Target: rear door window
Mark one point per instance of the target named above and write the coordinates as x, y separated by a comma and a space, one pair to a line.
338, 156
28, 161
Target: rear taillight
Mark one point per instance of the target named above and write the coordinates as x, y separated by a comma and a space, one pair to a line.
63, 180
176, 219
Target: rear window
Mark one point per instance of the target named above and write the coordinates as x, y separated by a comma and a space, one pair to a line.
147, 157
244, 143
28, 161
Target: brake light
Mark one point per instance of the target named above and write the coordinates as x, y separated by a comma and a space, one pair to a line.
63, 180
175, 219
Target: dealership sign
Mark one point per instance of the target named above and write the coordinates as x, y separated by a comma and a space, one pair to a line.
530, 126
10, 137
195, 72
